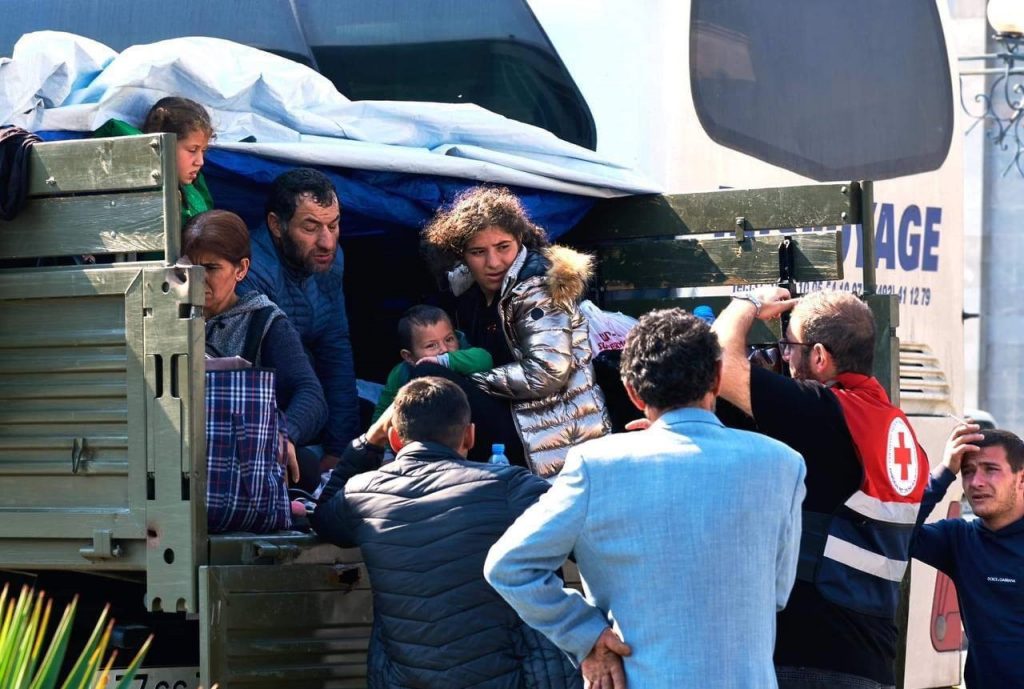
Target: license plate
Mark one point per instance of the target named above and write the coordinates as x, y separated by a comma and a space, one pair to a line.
158, 678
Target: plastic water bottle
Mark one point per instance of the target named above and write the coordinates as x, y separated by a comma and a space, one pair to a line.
704, 313
498, 455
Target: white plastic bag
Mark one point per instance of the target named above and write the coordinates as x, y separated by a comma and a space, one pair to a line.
608, 329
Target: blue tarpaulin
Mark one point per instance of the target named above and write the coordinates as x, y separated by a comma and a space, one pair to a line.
374, 203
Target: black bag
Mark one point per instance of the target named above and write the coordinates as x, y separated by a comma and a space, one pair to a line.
621, 409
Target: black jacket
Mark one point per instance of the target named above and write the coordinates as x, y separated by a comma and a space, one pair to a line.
15, 146
425, 523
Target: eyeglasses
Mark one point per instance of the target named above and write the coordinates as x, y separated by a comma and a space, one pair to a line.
785, 346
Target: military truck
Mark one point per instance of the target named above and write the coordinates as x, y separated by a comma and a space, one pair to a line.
102, 445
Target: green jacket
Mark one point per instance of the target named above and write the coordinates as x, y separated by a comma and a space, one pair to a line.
195, 197
464, 361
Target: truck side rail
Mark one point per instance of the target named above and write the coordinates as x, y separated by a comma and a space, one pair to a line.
101, 372
652, 247
92, 181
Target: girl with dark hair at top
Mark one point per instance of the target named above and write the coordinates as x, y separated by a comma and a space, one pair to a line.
219, 241
190, 122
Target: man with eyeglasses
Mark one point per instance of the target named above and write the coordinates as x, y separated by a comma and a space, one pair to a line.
866, 476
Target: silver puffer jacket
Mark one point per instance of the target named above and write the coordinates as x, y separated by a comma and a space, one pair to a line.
555, 400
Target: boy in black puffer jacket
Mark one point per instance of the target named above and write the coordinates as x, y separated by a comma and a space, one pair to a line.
425, 523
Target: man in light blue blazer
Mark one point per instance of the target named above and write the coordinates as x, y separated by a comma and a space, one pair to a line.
686, 534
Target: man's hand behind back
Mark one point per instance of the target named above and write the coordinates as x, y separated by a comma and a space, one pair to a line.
602, 668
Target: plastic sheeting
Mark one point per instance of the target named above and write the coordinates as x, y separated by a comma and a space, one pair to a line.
288, 112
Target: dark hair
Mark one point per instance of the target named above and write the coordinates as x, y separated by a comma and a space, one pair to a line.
670, 358
1013, 446
417, 317
843, 324
287, 190
431, 409
444, 239
221, 233
175, 115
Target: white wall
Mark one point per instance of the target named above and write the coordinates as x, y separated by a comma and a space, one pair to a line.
994, 249
969, 33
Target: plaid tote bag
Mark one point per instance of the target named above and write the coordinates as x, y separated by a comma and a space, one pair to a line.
246, 488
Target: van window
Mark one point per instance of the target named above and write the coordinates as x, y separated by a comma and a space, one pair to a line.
119, 24
830, 89
493, 54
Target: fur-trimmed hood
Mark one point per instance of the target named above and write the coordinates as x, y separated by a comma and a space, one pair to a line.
567, 274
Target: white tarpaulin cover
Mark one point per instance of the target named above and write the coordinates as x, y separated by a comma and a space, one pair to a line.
60, 81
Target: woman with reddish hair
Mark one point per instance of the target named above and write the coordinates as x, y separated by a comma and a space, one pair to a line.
219, 241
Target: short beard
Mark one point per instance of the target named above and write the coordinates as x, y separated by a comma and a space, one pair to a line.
801, 371
293, 255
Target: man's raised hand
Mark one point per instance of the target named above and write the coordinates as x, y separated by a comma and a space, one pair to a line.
959, 443
774, 302
377, 433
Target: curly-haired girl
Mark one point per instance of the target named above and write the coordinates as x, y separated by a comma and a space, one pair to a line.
517, 296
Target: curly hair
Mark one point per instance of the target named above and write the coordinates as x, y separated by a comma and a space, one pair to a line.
670, 359
444, 239
176, 115
843, 324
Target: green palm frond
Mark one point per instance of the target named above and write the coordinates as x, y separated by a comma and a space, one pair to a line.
24, 636
133, 667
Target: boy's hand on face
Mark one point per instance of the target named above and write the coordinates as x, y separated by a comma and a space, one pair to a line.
428, 360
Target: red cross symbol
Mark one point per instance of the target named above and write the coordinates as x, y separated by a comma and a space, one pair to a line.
903, 459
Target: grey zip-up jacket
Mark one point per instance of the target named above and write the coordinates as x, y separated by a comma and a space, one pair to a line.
424, 523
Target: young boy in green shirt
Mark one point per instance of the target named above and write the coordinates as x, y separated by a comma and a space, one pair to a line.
427, 336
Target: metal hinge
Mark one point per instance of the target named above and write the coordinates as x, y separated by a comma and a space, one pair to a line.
103, 546
741, 229
79, 452
258, 551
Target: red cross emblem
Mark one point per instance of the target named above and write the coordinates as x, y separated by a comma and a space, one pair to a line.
903, 458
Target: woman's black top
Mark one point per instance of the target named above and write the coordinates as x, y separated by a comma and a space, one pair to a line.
482, 324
